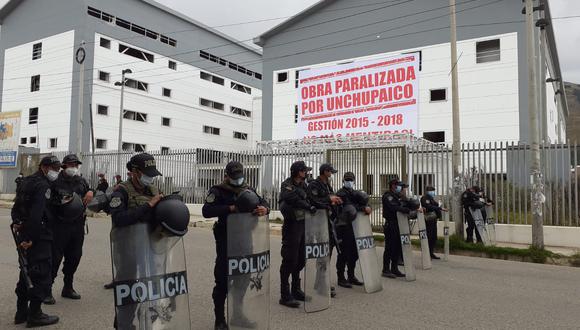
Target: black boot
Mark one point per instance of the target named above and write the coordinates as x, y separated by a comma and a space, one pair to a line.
395, 270
343, 282
36, 318
387, 273
69, 292
354, 281
286, 298
220, 325
434, 257
332, 292
21, 311
297, 292
49, 300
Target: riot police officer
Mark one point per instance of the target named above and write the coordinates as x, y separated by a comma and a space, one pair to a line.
30, 217
346, 215
220, 202
321, 196
393, 202
470, 199
103, 184
484, 199
293, 205
432, 214
70, 195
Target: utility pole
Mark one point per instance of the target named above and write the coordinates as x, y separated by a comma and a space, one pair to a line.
456, 151
80, 58
537, 180
121, 112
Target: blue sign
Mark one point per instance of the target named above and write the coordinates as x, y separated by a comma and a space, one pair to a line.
8, 158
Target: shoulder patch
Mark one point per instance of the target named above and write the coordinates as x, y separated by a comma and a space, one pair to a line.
289, 188
427, 202
390, 198
115, 202
210, 198
315, 192
47, 193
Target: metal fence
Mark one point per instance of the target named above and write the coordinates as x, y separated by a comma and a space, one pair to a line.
501, 169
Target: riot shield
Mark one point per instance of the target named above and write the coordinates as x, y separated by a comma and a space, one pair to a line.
150, 279
367, 254
425, 253
479, 224
446, 236
404, 230
490, 224
248, 271
317, 268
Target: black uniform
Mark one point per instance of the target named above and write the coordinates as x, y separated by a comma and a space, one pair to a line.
349, 253
293, 205
471, 199
432, 214
319, 196
30, 210
103, 185
392, 203
217, 204
68, 224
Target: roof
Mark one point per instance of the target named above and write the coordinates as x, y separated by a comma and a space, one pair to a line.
12, 4
261, 39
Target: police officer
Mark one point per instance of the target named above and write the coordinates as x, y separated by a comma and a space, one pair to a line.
220, 202
432, 214
347, 213
293, 205
70, 195
484, 199
132, 202
103, 184
30, 216
393, 202
321, 196
19, 180
470, 199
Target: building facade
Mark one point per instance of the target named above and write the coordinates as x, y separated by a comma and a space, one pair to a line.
492, 64
190, 86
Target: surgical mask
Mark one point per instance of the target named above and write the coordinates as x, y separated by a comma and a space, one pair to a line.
349, 184
237, 182
398, 189
71, 171
52, 175
431, 193
146, 180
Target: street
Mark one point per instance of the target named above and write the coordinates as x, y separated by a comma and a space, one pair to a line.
463, 293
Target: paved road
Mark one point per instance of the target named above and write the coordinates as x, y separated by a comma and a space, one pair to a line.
463, 293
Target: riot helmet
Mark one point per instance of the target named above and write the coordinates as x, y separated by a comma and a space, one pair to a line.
247, 201
360, 197
172, 214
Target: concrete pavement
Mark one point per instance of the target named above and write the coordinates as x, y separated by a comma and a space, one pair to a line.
462, 293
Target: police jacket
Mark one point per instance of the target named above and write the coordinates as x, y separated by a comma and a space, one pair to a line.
293, 200
65, 206
470, 199
30, 208
393, 203
319, 194
129, 205
218, 201
430, 205
346, 194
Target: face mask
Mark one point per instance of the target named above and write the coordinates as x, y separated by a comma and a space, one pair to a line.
71, 171
431, 193
237, 182
146, 180
52, 175
398, 189
349, 184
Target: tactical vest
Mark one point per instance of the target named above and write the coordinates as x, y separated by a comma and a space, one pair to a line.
135, 198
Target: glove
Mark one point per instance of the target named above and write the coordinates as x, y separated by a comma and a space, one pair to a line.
312, 210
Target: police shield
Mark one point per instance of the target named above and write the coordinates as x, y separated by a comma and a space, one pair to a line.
479, 224
248, 240
317, 268
367, 254
490, 224
404, 230
150, 278
425, 253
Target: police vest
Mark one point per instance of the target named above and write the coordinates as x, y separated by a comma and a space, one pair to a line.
135, 198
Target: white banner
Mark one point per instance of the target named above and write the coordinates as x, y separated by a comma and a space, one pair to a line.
374, 97
9, 138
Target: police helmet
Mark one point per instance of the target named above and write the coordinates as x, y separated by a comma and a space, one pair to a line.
413, 215
478, 204
172, 214
349, 212
71, 206
360, 197
100, 202
247, 201
414, 203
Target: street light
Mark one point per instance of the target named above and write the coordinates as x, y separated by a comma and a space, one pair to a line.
120, 144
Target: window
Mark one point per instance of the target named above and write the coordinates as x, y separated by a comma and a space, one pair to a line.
102, 110
172, 65
295, 114
137, 147
165, 121
23, 140
231, 65
241, 112
52, 142
212, 78
33, 139
104, 76
487, 51
164, 150
436, 137
101, 144
134, 115
211, 130
35, 83
106, 43
438, 95
136, 53
136, 84
166, 92
37, 51
211, 104
240, 136
33, 116
282, 77
241, 88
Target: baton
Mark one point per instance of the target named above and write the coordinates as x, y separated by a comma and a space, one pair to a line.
23, 263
